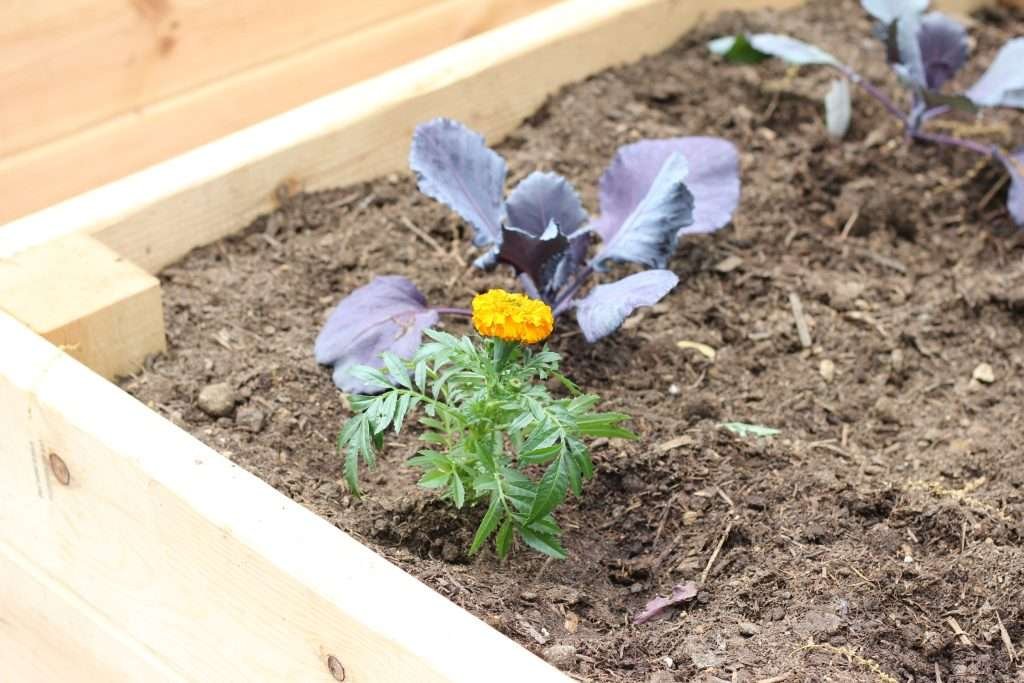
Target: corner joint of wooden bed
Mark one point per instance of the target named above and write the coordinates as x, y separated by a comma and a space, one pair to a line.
84, 297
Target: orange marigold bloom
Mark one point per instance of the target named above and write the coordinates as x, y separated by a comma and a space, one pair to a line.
512, 317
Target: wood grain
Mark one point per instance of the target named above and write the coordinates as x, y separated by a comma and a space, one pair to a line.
66, 132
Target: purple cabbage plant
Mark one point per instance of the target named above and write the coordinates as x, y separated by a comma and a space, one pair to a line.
653, 193
925, 50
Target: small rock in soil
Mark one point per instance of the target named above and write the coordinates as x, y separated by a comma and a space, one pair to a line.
217, 400
749, 629
887, 410
562, 656
250, 419
827, 369
984, 374
843, 294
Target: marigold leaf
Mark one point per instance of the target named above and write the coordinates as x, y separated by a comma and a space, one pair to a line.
487, 525
551, 490
503, 541
543, 542
458, 490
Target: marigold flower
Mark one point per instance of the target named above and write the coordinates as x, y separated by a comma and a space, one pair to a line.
512, 317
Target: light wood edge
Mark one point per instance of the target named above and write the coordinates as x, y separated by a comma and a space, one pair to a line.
134, 139
213, 572
492, 82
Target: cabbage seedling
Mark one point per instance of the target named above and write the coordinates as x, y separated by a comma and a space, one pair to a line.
653, 193
926, 51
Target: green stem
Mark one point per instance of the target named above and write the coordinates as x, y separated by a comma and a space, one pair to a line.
501, 352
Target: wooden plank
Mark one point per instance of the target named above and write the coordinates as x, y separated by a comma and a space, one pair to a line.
48, 634
103, 309
124, 143
68, 63
213, 571
492, 82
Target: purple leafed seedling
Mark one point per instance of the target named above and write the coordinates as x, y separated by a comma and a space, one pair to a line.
653, 193
926, 51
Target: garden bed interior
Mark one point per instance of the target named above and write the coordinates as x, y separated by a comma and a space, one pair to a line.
888, 508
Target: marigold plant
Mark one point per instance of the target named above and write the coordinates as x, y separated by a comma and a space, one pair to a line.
494, 434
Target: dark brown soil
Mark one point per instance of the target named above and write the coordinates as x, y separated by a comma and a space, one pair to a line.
877, 538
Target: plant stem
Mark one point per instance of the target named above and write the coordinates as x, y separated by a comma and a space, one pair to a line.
872, 90
443, 310
991, 151
527, 283
565, 299
950, 141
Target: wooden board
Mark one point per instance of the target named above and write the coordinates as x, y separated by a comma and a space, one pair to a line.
96, 89
151, 539
48, 634
101, 308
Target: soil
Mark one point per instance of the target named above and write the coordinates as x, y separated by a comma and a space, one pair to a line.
877, 537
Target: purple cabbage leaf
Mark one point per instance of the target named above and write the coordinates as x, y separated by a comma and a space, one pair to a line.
647, 234
538, 256
545, 226
888, 11
606, 307
713, 179
838, 108
1002, 85
754, 47
791, 50
931, 49
388, 314
455, 166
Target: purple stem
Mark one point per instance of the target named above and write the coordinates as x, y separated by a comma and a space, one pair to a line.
565, 300
936, 138
870, 89
949, 140
526, 282
464, 312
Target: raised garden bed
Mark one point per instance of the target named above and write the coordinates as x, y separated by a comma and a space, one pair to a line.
877, 536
